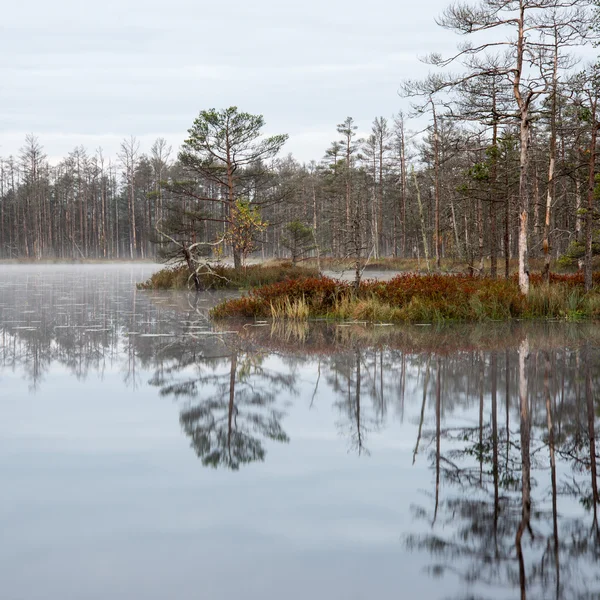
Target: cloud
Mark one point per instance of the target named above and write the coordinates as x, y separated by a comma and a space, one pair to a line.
79, 73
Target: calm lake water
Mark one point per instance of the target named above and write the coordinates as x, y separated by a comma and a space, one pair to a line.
146, 453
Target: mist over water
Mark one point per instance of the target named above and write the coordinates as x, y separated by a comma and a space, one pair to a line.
149, 453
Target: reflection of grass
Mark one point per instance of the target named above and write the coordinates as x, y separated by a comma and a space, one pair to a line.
226, 277
293, 332
327, 337
417, 298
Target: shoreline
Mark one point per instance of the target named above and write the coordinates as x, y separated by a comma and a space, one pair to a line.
86, 261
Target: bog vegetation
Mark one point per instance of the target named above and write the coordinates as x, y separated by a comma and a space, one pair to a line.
418, 298
215, 277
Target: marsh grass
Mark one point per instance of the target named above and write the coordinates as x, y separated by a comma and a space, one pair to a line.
294, 309
369, 308
592, 305
417, 299
551, 301
168, 278
226, 277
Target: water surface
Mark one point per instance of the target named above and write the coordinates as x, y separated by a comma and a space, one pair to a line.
149, 454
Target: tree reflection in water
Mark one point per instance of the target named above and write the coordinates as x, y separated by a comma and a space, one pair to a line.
352, 378
230, 413
496, 523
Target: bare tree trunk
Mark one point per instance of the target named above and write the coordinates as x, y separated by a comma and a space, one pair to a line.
314, 207
494, 198
577, 208
536, 204
507, 236
524, 212
422, 217
375, 209
380, 194
480, 235
403, 193
552, 158
436, 169
468, 252
237, 255
523, 104
589, 214
455, 227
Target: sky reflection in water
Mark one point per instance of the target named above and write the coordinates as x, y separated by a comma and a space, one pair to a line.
148, 454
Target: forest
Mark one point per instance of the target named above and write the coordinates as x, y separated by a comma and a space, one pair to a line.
496, 160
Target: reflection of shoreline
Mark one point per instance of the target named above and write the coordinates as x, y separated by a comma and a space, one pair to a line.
322, 338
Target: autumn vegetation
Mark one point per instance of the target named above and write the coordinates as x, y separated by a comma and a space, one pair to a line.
418, 299
220, 276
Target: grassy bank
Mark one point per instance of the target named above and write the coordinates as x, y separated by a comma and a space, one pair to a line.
418, 299
226, 277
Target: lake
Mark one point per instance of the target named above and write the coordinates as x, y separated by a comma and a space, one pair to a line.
149, 453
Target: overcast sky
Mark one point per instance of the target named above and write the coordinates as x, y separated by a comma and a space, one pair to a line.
76, 72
